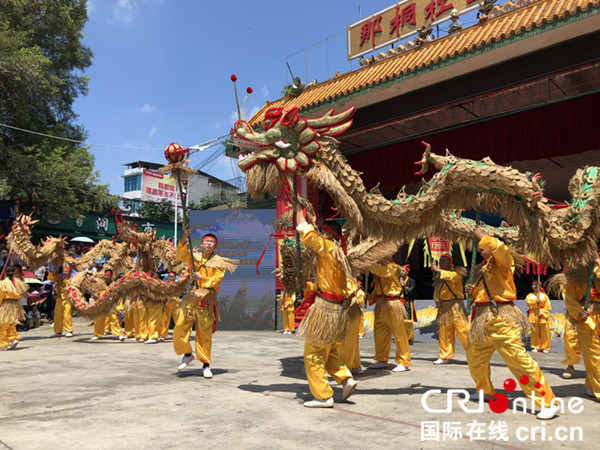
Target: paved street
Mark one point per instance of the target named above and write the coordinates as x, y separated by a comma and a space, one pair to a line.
75, 393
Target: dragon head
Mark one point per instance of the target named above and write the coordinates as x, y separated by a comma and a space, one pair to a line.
286, 144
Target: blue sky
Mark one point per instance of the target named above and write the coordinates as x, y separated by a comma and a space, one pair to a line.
161, 69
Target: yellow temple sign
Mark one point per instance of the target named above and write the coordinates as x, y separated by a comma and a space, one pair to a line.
400, 21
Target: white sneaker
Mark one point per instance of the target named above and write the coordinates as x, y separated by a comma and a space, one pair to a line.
132, 339
314, 403
545, 351
151, 341
56, 335
95, 338
400, 368
122, 337
13, 344
206, 373
161, 339
185, 361
379, 365
589, 392
534, 350
349, 387
360, 336
548, 413
69, 335
440, 361
568, 373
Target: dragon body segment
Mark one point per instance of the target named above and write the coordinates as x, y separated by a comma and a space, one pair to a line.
290, 145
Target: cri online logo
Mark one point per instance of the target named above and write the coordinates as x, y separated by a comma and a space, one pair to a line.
498, 403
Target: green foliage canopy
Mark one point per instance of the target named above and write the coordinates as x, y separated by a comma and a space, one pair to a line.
41, 74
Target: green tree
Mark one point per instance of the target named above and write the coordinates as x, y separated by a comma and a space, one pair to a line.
159, 211
219, 198
41, 74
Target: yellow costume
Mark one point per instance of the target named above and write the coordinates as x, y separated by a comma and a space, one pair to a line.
107, 323
287, 311
169, 311
63, 317
204, 308
589, 329
390, 315
155, 319
325, 324
128, 322
11, 310
571, 341
452, 319
498, 327
350, 350
539, 318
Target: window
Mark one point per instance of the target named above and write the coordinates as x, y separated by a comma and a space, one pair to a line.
133, 183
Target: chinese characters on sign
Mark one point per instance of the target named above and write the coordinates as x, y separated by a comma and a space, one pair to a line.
157, 187
399, 21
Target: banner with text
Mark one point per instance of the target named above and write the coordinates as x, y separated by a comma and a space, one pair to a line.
246, 300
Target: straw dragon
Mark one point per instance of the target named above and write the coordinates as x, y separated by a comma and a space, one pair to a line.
289, 144
139, 278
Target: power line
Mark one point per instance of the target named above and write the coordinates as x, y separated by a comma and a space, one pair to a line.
91, 144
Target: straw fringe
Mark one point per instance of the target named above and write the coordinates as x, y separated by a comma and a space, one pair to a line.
325, 323
393, 308
201, 299
11, 311
505, 311
451, 309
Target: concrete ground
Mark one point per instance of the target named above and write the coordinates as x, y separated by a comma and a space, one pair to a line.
77, 393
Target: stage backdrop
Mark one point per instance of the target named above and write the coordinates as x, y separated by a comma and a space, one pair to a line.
247, 300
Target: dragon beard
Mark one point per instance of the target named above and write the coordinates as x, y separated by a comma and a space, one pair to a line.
261, 178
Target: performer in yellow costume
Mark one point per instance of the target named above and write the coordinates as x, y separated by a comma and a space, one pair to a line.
287, 311
406, 296
107, 322
449, 299
201, 303
169, 311
350, 350
588, 321
155, 320
63, 317
571, 346
326, 322
390, 314
128, 321
539, 318
11, 311
497, 326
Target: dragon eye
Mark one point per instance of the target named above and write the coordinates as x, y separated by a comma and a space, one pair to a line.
267, 124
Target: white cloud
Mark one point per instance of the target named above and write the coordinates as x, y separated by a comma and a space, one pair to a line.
253, 111
147, 108
249, 113
152, 132
91, 7
124, 12
265, 91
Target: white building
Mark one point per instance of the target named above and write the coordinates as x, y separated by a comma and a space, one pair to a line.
143, 182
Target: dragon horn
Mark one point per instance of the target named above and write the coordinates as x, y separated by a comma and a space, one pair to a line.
330, 118
237, 102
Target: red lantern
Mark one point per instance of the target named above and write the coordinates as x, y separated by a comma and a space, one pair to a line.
175, 153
